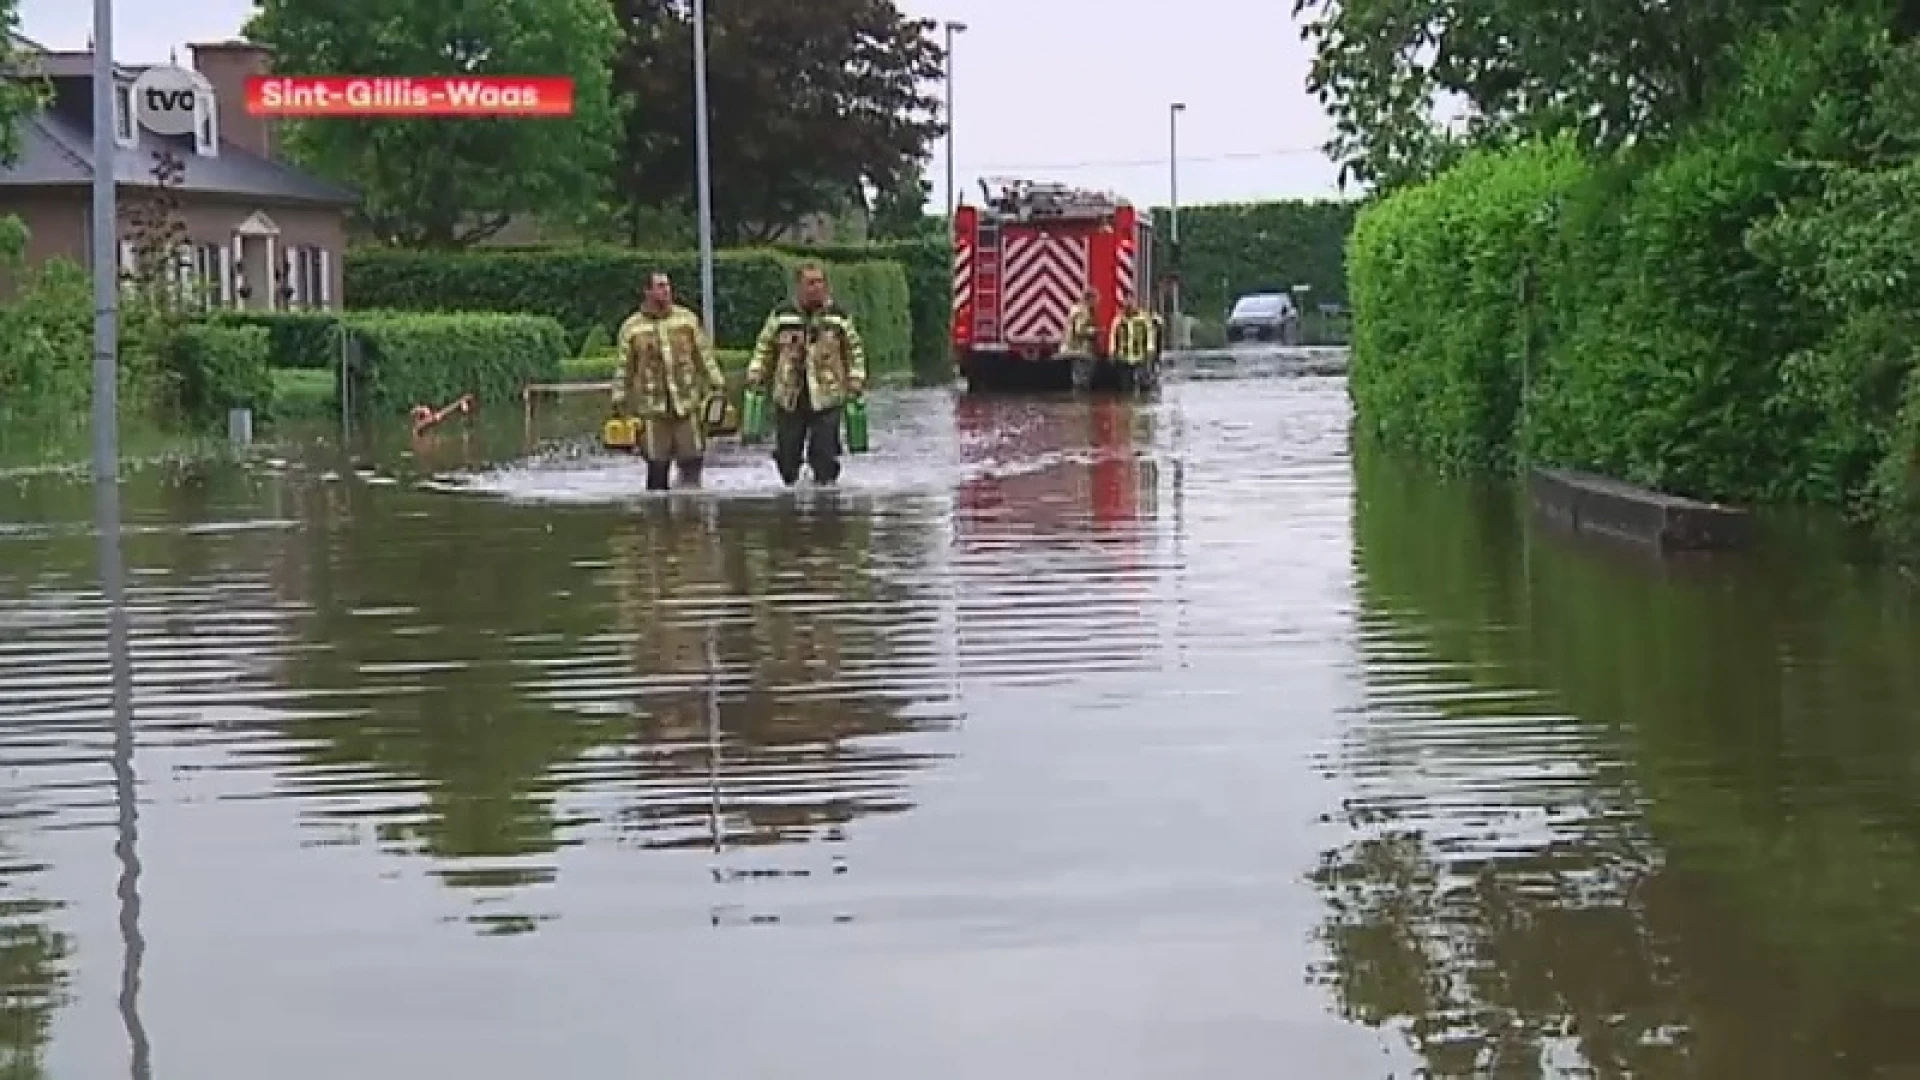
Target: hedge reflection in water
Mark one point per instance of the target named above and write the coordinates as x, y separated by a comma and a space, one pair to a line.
1691, 851
596, 687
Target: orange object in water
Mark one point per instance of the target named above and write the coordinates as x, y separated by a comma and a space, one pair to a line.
426, 418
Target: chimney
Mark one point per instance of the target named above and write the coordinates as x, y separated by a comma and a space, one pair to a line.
228, 65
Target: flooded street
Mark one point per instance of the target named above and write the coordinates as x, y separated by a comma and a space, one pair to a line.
1100, 739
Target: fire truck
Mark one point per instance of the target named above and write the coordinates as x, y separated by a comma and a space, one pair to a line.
1022, 260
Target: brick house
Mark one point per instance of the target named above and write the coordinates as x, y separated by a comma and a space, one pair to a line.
263, 235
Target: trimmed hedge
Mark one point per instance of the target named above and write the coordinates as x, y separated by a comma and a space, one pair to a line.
1229, 249
219, 368
1700, 315
296, 339
590, 289
1441, 329
401, 360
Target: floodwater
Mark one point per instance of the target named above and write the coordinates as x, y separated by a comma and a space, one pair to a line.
1068, 739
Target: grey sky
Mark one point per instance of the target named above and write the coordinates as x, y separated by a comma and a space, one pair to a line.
1070, 90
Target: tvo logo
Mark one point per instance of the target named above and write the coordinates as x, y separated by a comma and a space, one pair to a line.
165, 99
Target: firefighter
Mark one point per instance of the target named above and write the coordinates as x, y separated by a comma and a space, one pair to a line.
668, 376
1131, 345
812, 356
1082, 340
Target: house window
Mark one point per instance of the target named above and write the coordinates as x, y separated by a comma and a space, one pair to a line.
206, 132
209, 280
124, 131
308, 290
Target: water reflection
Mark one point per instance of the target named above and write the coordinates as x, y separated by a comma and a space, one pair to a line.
824, 658
1616, 819
1059, 537
126, 790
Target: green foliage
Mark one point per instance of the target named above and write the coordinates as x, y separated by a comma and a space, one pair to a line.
1441, 331
899, 212
583, 288
1726, 313
46, 343
439, 182
1235, 248
876, 294
295, 339
219, 368
19, 98
596, 288
405, 360
304, 394
599, 342
816, 102
1661, 361
1609, 73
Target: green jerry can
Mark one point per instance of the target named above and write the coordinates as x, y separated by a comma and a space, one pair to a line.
856, 417
753, 416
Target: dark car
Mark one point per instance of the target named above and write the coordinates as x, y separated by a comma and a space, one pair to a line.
1264, 317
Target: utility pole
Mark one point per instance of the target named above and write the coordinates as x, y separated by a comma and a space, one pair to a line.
702, 150
952, 29
1173, 215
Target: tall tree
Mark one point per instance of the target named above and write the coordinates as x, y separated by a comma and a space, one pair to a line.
445, 182
804, 100
1611, 70
899, 210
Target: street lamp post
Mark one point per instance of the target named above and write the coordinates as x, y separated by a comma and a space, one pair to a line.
1173, 215
952, 28
106, 256
703, 163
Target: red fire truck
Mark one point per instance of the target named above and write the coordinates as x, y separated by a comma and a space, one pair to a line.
1022, 260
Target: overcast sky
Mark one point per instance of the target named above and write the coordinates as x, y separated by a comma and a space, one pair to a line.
1070, 90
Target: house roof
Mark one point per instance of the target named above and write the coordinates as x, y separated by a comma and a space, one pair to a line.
56, 150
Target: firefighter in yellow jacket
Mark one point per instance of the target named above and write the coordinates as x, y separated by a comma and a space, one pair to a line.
1133, 346
1081, 344
812, 356
667, 377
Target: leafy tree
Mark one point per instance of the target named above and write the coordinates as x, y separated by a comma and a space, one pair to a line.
807, 102
441, 182
898, 211
19, 98
1610, 71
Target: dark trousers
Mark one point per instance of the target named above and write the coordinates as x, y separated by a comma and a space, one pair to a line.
809, 435
660, 473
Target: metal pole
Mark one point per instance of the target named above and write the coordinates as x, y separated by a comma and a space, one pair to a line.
952, 29
106, 249
113, 573
1173, 212
704, 163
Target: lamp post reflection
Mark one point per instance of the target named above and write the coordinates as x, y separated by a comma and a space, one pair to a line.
113, 587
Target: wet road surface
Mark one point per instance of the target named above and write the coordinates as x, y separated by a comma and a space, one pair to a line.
1068, 738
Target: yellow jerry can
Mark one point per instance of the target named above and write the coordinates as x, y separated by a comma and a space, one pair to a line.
621, 433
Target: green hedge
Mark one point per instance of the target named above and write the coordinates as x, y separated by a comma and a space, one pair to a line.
402, 360
1233, 248
1701, 315
219, 368
296, 339
594, 289
1441, 329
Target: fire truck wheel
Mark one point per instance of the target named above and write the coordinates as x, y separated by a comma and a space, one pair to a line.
1083, 373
